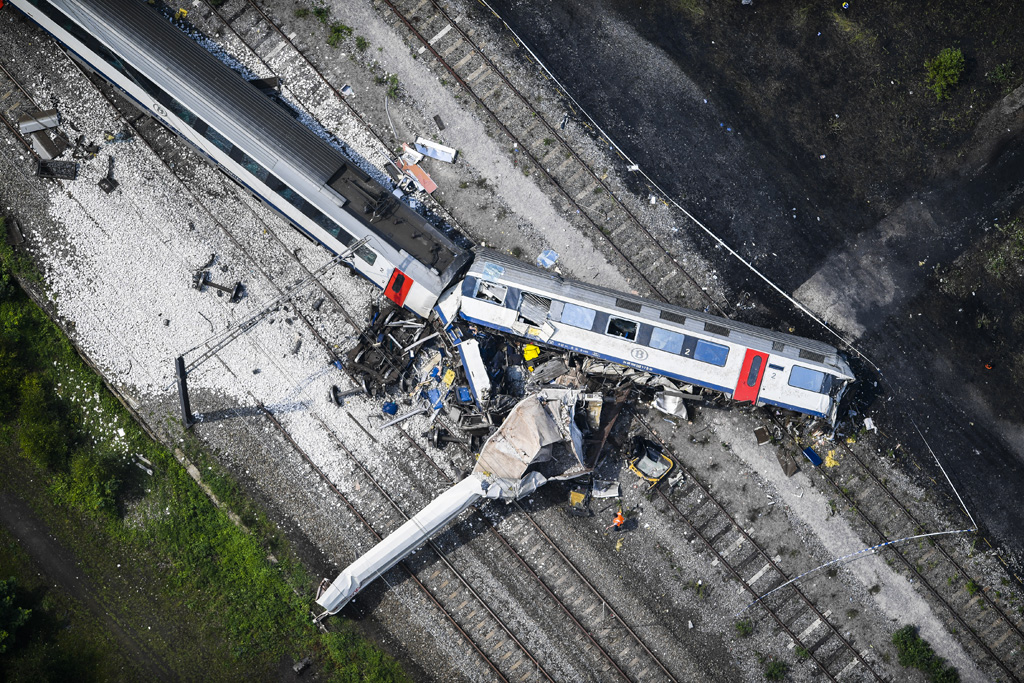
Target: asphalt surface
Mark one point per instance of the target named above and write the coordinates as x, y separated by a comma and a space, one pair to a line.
871, 279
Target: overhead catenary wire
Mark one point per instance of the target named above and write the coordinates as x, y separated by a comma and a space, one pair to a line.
873, 548
723, 244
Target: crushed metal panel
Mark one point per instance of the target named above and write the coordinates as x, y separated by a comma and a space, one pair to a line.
786, 462
476, 371
436, 151
43, 146
520, 441
671, 403
606, 489
38, 120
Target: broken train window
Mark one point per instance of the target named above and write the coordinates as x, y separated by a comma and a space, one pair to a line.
534, 309
491, 292
617, 327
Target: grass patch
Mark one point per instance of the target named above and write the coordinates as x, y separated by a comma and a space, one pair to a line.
322, 14
944, 71
744, 628
972, 587
362, 44
915, 652
301, 13
338, 33
225, 609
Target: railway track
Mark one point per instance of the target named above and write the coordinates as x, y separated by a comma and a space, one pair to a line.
14, 102
982, 624
582, 190
750, 563
632, 659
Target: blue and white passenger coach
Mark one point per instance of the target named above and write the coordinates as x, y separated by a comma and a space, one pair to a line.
743, 362
258, 141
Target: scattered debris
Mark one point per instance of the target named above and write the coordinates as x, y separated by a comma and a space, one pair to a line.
57, 170
439, 122
14, 234
436, 151
648, 461
45, 147
579, 503
547, 258
786, 462
869, 425
107, 183
671, 403
813, 457
201, 279
38, 120
606, 489
762, 436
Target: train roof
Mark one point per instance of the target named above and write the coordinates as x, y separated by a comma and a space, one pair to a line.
257, 124
656, 312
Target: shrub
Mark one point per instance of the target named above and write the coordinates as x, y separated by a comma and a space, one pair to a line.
12, 617
1003, 76
915, 652
321, 13
944, 71
43, 435
339, 32
744, 628
775, 670
362, 43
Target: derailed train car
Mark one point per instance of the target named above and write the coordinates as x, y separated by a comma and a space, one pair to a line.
259, 141
743, 362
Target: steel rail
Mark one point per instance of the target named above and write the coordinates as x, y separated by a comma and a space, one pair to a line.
906, 561
568, 562
551, 129
757, 547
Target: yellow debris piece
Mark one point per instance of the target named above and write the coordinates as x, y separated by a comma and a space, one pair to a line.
530, 351
181, 14
576, 498
449, 377
830, 460
618, 545
851, 439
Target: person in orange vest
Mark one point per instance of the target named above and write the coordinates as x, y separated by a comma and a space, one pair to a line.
619, 520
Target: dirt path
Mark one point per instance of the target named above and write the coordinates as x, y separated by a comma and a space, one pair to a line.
62, 568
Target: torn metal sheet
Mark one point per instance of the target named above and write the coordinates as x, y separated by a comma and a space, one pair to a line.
762, 436
410, 156
606, 489
423, 181
671, 403
38, 120
45, 147
436, 151
476, 371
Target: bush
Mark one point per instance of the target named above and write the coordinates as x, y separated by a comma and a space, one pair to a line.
915, 652
12, 617
339, 32
775, 670
362, 43
43, 436
944, 71
744, 628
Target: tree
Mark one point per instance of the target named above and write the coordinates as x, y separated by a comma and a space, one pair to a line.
12, 617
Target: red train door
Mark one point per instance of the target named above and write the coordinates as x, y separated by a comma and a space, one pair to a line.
749, 383
398, 287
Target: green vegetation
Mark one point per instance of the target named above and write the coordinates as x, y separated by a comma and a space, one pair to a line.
914, 652
1003, 77
321, 13
338, 33
12, 617
362, 44
392, 82
233, 603
775, 670
972, 587
301, 13
802, 653
944, 71
744, 628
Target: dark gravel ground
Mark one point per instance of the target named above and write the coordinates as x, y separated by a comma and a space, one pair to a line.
906, 184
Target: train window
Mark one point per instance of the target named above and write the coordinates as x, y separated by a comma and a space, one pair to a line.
578, 316
617, 327
254, 168
755, 370
491, 292
666, 340
709, 352
183, 113
367, 254
805, 378
219, 140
